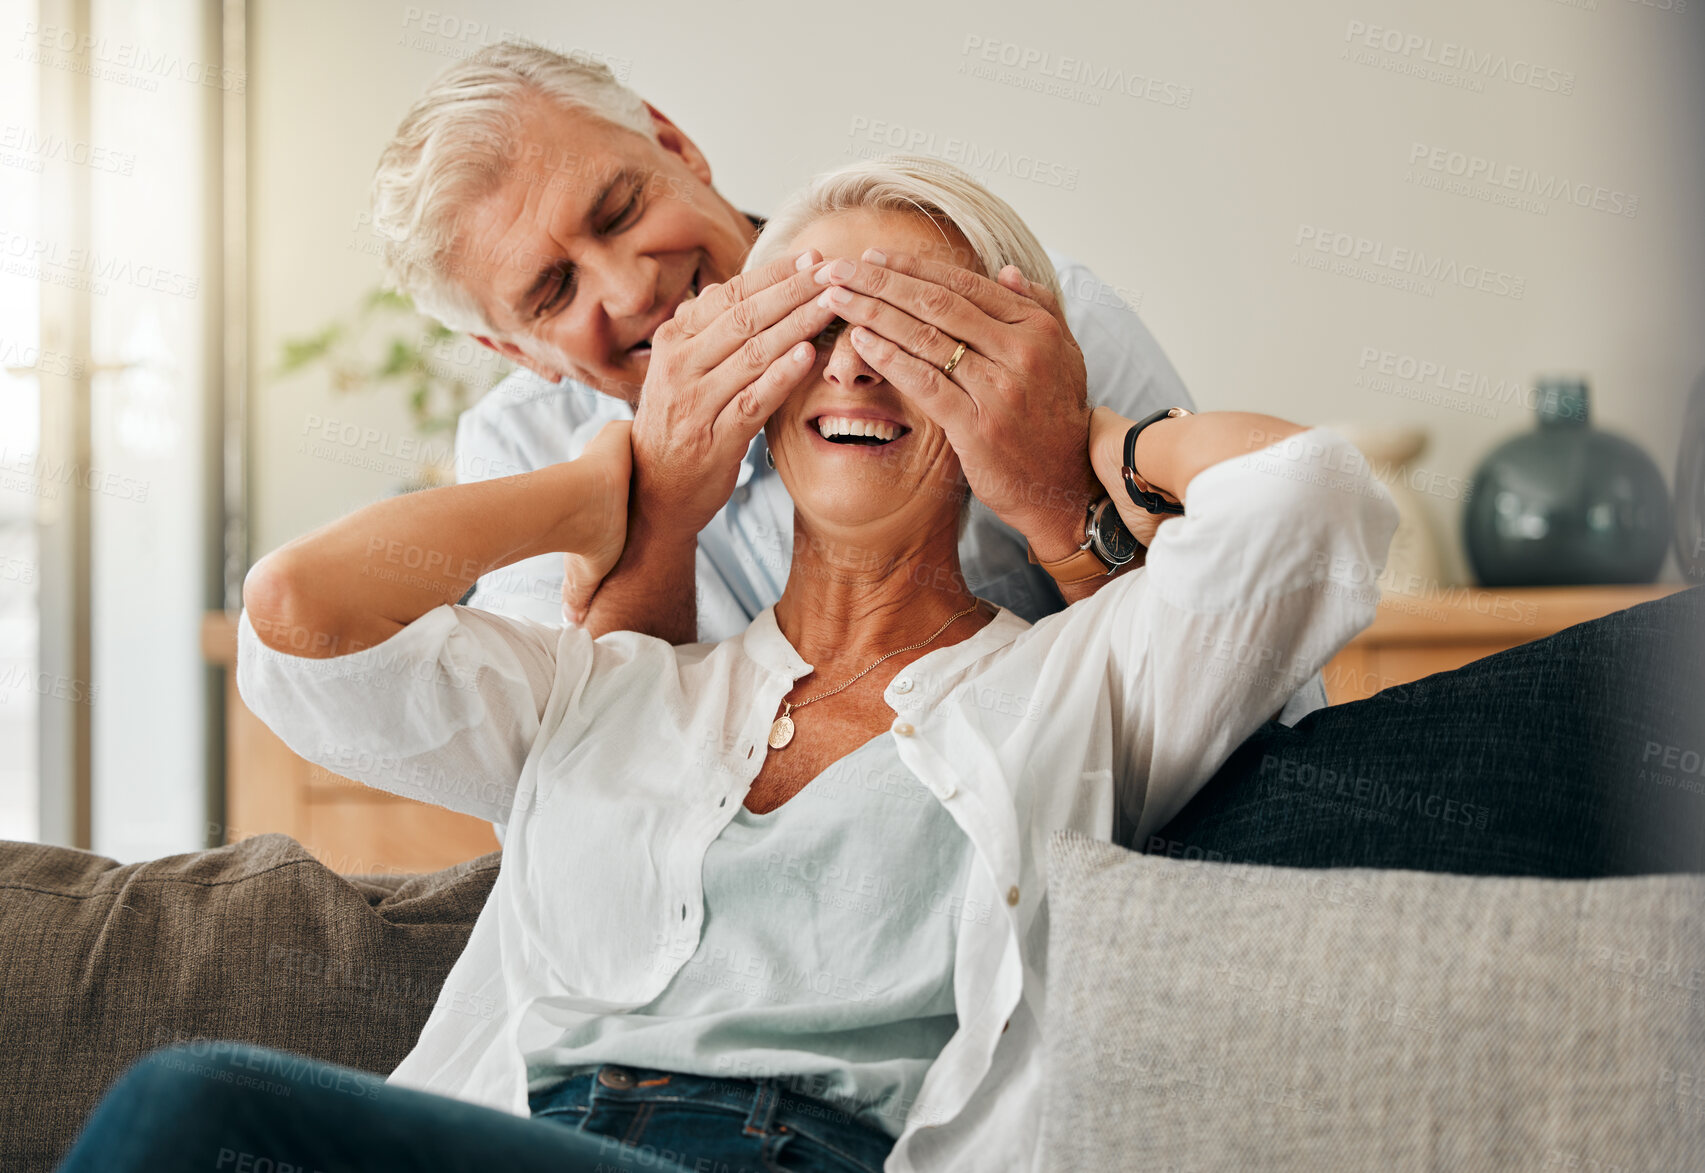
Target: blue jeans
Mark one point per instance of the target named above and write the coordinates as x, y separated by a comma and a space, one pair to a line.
1573, 757
728, 1124
223, 1107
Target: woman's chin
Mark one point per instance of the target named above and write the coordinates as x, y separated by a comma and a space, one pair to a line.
871, 489
886, 514
844, 514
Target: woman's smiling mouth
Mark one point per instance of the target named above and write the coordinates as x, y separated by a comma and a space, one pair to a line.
840, 429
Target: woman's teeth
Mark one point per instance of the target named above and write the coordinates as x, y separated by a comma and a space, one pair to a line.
845, 431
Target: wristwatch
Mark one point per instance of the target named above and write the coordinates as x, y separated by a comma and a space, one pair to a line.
1140, 490
1107, 545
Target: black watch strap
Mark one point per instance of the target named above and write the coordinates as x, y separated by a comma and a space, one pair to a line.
1139, 489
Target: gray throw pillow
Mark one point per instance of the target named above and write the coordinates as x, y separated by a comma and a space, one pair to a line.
1214, 1016
258, 941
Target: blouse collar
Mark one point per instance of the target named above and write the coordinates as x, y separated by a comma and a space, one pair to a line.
764, 644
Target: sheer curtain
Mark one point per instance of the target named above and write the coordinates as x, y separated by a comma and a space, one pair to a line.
115, 499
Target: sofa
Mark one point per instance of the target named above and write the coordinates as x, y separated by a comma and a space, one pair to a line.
101, 962
1333, 1019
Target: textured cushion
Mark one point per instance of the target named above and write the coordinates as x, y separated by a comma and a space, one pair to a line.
1210, 1016
257, 941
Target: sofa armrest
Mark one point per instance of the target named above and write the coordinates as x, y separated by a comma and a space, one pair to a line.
256, 941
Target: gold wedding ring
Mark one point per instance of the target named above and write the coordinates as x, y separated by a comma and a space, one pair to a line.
954, 361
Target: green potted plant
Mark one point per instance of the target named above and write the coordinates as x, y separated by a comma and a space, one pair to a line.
387, 345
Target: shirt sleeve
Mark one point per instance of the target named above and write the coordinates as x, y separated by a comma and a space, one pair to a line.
483, 452
1243, 599
445, 711
1128, 371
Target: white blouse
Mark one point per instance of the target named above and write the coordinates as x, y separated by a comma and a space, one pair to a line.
826, 955
617, 762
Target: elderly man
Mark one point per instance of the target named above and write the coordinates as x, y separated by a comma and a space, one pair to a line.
543, 207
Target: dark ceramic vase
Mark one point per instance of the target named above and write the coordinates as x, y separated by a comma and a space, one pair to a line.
1566, 504
1690, 489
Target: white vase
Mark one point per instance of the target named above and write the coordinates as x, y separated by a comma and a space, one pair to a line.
1414, 565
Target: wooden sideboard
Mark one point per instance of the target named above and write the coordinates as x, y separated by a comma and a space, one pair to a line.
355, 829
1413, 637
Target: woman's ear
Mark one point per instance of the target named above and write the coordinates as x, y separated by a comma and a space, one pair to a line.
674, 140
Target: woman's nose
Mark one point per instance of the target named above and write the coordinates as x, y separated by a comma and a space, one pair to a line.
846, 368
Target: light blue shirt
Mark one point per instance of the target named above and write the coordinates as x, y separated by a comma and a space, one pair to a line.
830, 926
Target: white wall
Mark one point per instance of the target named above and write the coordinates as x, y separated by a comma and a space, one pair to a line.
1197, 145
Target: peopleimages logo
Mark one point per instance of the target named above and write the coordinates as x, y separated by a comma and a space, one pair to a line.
1441, 384
19, 357
449, 34
124, 62
51, 262
1525, 181
27, 143
1061, 75
887, 137
1370, 259
1448, 61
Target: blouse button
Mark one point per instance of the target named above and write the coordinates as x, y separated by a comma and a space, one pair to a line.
1012, 894
903, 729
903, 685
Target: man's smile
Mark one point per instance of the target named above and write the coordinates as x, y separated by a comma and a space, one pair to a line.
641, 350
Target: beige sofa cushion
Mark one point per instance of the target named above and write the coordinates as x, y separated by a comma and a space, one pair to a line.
1244, 1017
257, 941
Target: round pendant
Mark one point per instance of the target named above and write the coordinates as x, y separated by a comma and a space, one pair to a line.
781, 732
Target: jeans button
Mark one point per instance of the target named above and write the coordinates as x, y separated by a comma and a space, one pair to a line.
616, 1077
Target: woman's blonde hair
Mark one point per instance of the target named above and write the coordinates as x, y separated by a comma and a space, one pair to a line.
915, 183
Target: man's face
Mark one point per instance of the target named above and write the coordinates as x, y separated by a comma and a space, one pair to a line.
590, 238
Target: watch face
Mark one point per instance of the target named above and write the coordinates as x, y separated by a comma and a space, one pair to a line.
1113, 541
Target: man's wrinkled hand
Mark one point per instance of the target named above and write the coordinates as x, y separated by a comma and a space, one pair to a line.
719, 369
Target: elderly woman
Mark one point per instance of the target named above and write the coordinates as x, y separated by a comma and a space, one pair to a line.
779, 902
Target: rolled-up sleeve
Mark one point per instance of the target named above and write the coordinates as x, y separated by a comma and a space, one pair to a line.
445, 711
1268, 575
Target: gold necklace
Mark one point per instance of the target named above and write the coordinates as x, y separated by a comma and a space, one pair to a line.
781, 730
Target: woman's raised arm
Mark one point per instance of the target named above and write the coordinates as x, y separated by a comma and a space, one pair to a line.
357, 581
1171, 452
1269, 572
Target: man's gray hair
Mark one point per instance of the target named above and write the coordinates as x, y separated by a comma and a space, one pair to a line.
454, 147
